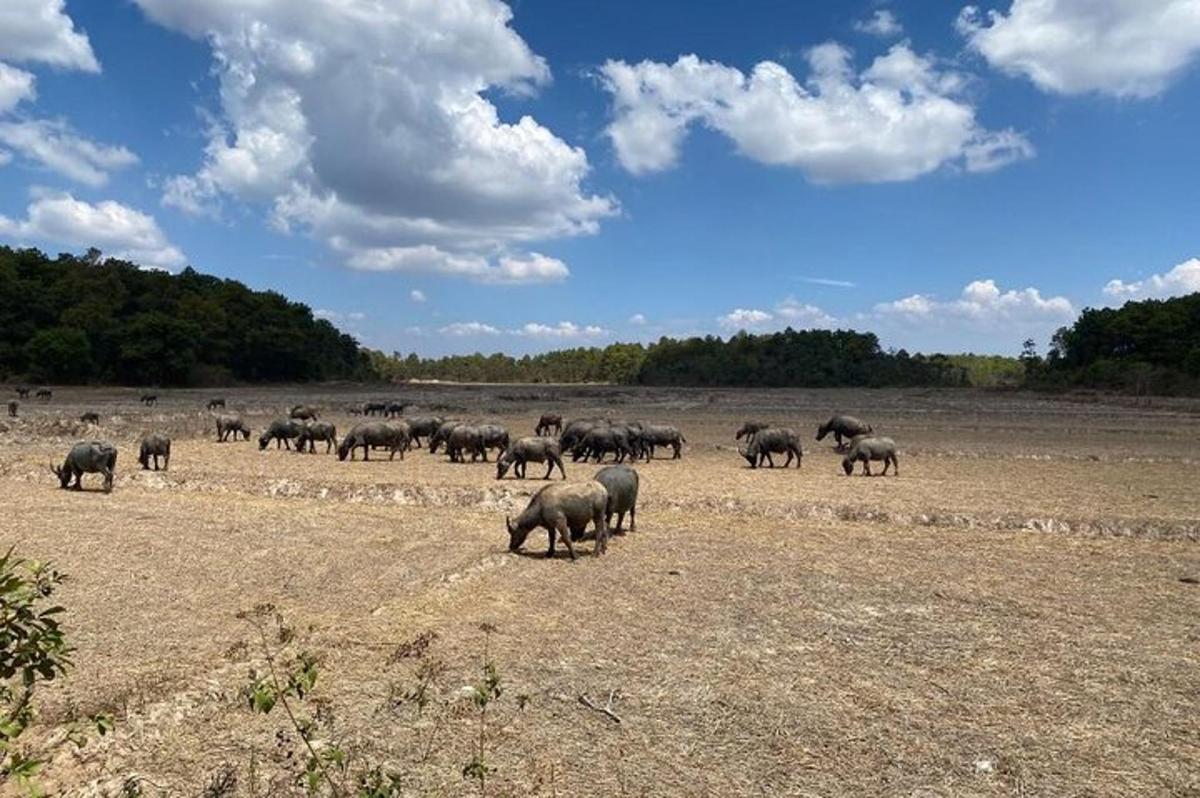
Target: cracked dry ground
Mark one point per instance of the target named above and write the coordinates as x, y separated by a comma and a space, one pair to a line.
1005, 618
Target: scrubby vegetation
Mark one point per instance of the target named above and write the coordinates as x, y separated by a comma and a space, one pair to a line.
81, 320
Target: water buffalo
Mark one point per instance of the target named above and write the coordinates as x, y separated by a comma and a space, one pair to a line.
44, 394
866, 448
303, 413
464, 439
149, 399
90, 417
530, 450
369, 434
664, 435
492, 436
22, 391
231, 425
773, 440
574, 431
375, 409
621, 482
422, 427
154, 446
548, 423
394, 409
88, 457
601, 440
442, 434
282, 431
565, 510
316, 431
12, 408
749, 428
845, 427
213, 404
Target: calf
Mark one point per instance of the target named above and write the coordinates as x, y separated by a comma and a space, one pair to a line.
549, 423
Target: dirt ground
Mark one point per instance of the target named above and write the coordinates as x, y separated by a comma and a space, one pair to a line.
1010, 616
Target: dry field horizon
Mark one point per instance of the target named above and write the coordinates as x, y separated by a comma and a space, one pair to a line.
1014, 615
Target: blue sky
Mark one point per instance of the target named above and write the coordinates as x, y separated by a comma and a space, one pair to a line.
453, 177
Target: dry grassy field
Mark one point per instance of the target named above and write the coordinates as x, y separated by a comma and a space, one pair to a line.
1009, 616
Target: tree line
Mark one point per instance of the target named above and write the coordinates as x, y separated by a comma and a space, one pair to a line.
85, 320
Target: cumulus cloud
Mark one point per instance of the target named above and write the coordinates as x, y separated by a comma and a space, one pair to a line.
882, 23
1184, 278
803, 315
369, 126
789, 313
1125, 48
16, 85
744, 319
901, 118
116, 229
338, 316
637, 319
982, 303
56, 146
40, 30
564, 330
462, 329
416, 295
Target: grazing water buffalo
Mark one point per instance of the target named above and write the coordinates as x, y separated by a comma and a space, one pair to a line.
621, 482
44, 394
866, 448
549, 422
773, 440
375, 409
492, 436
303, 413
749, 428
373, 433
464, 439
317, 431
394, 409
530, 450
422, 427
23, 391
155, 445
664, 435
574, 431
442, 434
845, 427
12, 408
88, 457
149, 399
231, 425
90, 418
601, 440
282, 431
213, 404
566, 510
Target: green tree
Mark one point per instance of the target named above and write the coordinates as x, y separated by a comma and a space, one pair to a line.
59, 354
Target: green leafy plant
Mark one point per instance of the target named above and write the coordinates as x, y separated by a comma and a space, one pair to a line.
486, 691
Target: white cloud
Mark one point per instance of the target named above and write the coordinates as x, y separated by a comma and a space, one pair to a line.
564, 330
803, 315
56, 146
744, 319
789, 313
463, 329
1184, 278
369, 126
336, 316
900, 118
637, 319
882, 23
1125, 48
40, 30
117, 230
416, 295
981, 303
827, 281
16, 85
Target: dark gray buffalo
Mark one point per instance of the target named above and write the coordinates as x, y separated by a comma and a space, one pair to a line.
44, 394
371, 434
601, 440
549, 423
563, 510
149, 399
303, 413
530, 450
282, 431
12, 408
464, 439
843, 427
231, 425
492, 436
866, 448
749, 429
213, 404
316, 431
90, 418
422, 427
774, 440
154, 446
88, 457
574, 431
663, 435
442, 434
621, 482
22, 391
